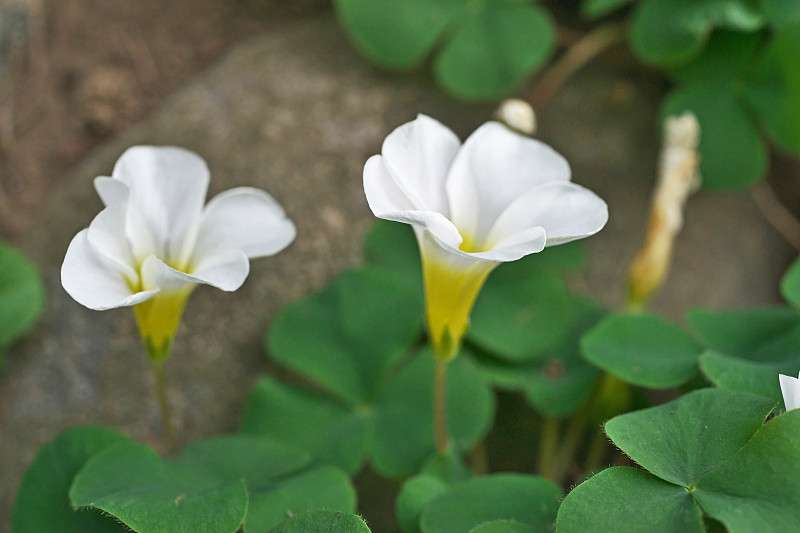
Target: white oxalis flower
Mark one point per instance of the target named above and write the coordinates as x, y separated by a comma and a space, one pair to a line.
155, 240
790, 387
496, 198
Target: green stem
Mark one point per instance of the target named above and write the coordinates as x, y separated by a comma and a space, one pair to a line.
548, 447
569, 444
479, 459
163, 406
440, 406
597, 452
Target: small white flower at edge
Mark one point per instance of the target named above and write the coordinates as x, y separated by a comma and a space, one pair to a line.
155, 240
790, 387
496, 198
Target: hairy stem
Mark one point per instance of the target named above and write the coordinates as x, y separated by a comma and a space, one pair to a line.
440, 406
163, 406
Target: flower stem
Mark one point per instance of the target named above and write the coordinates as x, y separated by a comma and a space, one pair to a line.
579, 54
163, 406
548, 447
598, 448
440, 406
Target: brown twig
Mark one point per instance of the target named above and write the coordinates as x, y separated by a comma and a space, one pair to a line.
777, 214
577, 55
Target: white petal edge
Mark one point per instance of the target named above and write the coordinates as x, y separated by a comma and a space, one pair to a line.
565, 210
226, 271
435, 223
93, 281
790, 388
111, 191
382, 192
106, 235
418, 156
246, 219
167, 190
493, 168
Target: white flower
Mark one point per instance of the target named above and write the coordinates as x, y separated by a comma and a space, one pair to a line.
790, 387
155, 241
497, 198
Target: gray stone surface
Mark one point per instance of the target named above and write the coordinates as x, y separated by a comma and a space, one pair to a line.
13, 30
297, 113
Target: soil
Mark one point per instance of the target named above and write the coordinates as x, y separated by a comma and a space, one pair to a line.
93, 68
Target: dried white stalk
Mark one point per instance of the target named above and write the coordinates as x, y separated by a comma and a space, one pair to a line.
677, 179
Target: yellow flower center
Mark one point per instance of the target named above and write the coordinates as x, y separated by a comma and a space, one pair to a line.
450, 294
159, 317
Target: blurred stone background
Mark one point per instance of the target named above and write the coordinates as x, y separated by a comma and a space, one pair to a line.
276, 98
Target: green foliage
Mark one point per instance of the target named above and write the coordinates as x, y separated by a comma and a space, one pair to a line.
416, 493
747, 349
344, 337
772, 88
217, 485
325, 487
706, 452
483, 49
758, 488
131, 482
42, 504
21, 296
643, 350
597, 8
526, 322
556, 382
781, 13
625, 499
393, 247
684, 439
503, 526
747, 333
737, 85
395, 429
525, 500
790, 285
525, 308
404, 421
729, 372
322, 522
733, 154
672, 32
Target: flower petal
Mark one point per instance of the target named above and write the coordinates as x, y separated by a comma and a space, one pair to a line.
106, 235
493, 168
245, 219
436, 223
93, 280
790, 388
516, 246
382, 192
564, 210
167, 189
110, 190
418, 156
226, 271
